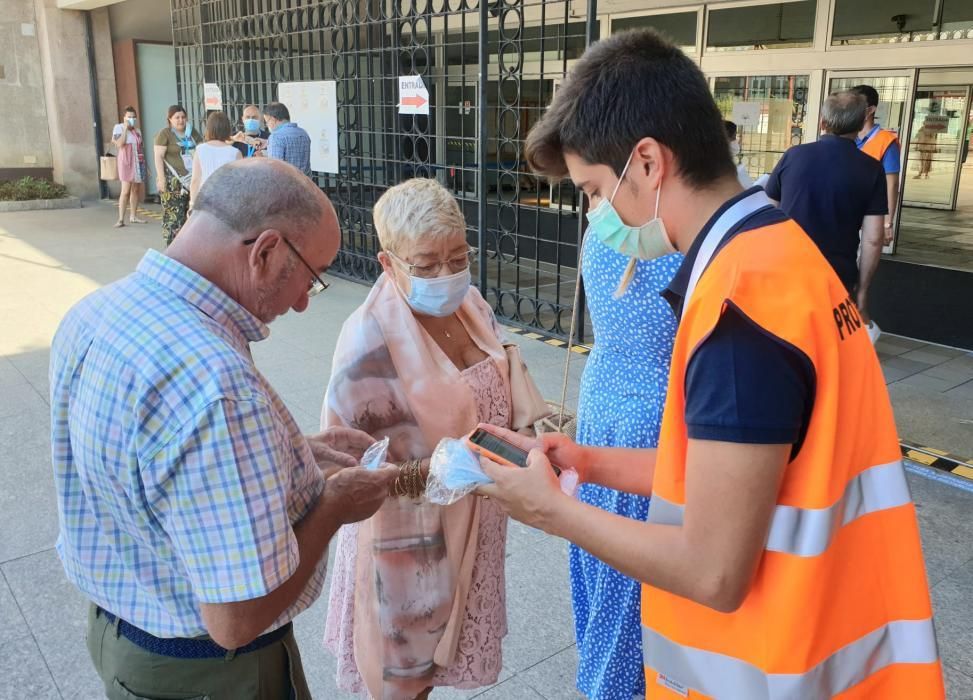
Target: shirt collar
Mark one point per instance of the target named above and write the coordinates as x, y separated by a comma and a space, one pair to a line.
203, 294
675, 293
832, 137
874, 130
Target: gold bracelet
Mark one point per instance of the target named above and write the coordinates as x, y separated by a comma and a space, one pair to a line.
411, 480
417, 488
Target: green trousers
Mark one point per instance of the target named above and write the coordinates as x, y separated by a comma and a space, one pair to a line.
132, 673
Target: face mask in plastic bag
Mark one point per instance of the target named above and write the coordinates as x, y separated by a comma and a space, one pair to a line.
455, 472
374, 456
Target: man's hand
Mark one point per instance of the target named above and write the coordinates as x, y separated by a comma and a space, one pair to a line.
559, 448
339, 447
354, 494
887, 239
239, 137
530, 495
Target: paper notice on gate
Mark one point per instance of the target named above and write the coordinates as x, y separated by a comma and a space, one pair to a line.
413, 96
212, 96
746, 114
313, 105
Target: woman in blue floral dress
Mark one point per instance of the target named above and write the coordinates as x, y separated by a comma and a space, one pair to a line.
623, 392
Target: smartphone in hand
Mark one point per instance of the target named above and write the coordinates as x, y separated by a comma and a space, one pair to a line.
499, 450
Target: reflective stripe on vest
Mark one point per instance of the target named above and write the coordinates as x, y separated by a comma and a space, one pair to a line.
727, 678
879, 143
807, 532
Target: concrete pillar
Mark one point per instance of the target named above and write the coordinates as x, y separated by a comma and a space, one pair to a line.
106, 81
27, 147
64, 61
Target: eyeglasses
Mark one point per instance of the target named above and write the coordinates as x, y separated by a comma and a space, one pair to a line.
317, 285
455, 265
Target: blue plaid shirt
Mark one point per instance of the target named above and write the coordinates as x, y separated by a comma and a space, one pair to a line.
179, 471
291, 144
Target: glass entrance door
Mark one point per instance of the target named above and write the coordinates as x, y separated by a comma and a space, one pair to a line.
936, 145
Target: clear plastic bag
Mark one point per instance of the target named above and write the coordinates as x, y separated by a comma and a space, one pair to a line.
374, 456
455, 472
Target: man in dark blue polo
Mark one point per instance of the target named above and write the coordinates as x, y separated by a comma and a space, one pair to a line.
834, 191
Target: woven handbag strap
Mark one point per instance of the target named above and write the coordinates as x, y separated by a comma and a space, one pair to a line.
574, 326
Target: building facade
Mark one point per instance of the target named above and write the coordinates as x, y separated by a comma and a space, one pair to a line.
479, 75
769, 63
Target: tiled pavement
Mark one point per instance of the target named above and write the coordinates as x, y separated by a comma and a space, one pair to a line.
48, 260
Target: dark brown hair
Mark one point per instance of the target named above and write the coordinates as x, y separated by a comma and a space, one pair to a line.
217, 127
129, 109
633, 85
174, 110
275, 110
869, 93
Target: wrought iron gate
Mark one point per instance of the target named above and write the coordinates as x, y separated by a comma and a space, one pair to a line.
490, 70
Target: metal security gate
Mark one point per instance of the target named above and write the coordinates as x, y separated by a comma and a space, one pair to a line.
490, 70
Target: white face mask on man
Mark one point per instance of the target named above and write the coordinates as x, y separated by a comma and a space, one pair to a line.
645, 242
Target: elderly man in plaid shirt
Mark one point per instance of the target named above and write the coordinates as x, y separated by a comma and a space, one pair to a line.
193, 513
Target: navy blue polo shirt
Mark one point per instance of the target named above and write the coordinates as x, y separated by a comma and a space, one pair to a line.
829, 187
743, 384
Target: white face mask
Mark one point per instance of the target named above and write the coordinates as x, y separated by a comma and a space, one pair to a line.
734, 148
645, 242
438, 296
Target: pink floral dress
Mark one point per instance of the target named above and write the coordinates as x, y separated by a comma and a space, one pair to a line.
478, 656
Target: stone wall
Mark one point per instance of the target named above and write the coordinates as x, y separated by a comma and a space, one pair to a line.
27, 142
46, 92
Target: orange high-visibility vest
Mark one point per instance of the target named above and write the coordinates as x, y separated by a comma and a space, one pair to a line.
879, 143
839, 605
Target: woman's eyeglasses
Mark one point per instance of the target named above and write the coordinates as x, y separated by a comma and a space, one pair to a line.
455, 265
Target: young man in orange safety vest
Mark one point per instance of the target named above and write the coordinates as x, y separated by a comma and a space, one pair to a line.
781, 557
882, 145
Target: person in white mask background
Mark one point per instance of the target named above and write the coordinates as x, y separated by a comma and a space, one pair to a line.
421, 359
251, 141
731, 134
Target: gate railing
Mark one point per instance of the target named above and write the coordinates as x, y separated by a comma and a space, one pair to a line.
490, 69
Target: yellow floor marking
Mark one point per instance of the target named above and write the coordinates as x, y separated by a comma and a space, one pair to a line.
963, 470
921, 458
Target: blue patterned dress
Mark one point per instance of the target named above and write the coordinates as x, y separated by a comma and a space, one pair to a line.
623, 391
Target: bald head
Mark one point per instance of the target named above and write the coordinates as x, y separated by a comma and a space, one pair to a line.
843, 113
254, 194
263, 233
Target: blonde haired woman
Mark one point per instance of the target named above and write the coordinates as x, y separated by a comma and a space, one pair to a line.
417, 592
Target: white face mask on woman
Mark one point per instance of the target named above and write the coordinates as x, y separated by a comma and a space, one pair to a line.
438, 296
